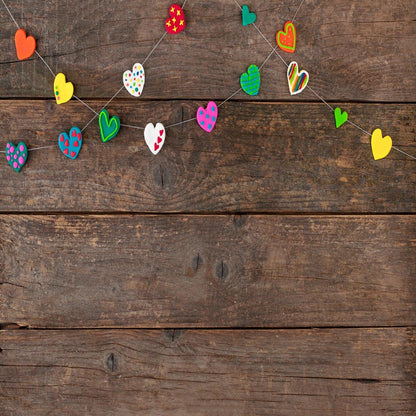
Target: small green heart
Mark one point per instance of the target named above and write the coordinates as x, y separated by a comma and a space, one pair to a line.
340, 117
248, 17
108, 127
250, 80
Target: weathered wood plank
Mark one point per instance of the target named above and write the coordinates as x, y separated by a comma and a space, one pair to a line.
207, 271
259, 158
337, 372
353, 50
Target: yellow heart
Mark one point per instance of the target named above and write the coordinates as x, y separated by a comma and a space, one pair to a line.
381, 145
63, 90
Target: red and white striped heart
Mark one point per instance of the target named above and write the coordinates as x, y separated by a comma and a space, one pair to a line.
155, 137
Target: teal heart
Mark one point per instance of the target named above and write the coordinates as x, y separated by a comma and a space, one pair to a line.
340, 117
250, 80
248, 17
109, 127
16, 155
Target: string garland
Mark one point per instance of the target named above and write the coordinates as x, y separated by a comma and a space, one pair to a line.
134, 82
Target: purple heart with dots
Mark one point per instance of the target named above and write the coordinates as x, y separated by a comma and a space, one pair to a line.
16, 155
207, 117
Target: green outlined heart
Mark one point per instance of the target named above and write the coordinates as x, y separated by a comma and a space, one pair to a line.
109, 127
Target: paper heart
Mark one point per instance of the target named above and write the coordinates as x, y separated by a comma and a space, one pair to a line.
340, 117
176, 22
63, 90
16, 155
380, 145
248, 17
207, 118
297, 80
25, 45
108, 127
286, 39
155, 137
250, 80
70, 145
134, 81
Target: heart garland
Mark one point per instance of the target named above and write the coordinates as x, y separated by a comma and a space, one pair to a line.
134, 83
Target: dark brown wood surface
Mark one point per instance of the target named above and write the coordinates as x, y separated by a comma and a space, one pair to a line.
190, 283
260, 158
207, 271
362, 372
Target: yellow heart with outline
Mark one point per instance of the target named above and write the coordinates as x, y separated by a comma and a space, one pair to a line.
63, 90
380, 145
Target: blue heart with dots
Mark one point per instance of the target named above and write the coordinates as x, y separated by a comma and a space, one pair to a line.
207, 118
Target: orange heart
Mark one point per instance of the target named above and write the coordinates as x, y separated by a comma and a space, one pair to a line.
287, 39
25, 45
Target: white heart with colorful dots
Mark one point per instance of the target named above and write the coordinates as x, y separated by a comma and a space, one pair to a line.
134, 81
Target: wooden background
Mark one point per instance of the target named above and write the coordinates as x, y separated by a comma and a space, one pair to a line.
267, 268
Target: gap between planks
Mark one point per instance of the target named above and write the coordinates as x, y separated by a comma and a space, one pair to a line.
16, 327
122, 100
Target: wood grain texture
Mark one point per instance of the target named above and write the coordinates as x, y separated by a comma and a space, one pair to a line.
207, 271
98, 289
353, 50
259, 158
337, 372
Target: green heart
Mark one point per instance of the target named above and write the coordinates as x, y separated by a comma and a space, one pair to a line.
250, 80
340, 117
108, 127
248, 17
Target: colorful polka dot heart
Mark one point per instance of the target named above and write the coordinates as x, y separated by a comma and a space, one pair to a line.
207, 118
16, 155
70, 145
134, 81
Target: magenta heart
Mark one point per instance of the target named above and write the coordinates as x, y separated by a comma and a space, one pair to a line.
207, 117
